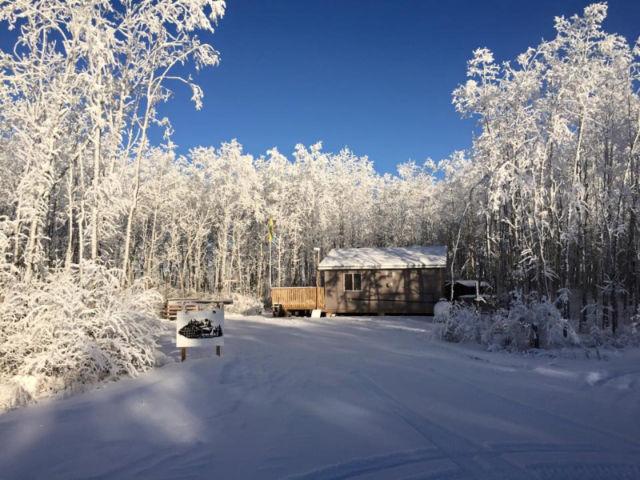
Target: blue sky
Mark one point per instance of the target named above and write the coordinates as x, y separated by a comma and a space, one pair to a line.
373, 75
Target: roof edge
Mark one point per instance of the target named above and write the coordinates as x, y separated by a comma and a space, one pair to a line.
380, 267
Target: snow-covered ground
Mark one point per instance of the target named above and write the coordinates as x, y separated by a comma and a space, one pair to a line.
341, 398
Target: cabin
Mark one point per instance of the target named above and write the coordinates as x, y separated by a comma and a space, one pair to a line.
407, 280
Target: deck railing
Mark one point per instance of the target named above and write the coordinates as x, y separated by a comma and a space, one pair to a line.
174, 305
298, 298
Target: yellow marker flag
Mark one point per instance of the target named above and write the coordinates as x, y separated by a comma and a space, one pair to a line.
271, 229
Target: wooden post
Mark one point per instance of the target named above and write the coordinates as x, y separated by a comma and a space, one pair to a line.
183, 350
317, 250
218, 350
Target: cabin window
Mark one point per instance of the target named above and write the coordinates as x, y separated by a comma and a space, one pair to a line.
352, 282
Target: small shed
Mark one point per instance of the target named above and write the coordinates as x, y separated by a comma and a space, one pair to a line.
398, 280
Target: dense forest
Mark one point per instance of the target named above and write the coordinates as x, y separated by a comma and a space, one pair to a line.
546, 201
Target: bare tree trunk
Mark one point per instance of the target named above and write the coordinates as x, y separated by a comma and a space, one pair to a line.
69, 255
136, 186
30, 250
152, 245
82, 214
222, 251
96, 182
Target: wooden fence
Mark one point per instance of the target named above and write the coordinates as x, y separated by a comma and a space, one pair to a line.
175, 305
298, 298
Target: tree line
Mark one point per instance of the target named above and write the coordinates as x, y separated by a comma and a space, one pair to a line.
545, 201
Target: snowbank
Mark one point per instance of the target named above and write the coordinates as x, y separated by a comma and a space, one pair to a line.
528, 324
73, 329
245, 305
375, 398
525, 324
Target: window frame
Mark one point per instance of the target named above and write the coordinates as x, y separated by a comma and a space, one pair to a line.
352, 276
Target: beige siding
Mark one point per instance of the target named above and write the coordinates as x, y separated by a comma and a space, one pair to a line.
409, 291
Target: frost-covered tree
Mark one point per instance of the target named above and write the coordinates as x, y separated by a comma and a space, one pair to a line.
558, 157
78, 96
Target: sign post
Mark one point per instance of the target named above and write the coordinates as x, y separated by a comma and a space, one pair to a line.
200, 329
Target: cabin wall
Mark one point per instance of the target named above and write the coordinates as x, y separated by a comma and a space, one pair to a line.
405, 291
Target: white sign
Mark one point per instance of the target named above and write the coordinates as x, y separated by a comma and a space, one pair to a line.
200, 329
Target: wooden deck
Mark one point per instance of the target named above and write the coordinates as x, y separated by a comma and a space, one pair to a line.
174, 305
298, 298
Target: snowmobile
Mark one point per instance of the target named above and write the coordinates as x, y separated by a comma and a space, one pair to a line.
198, 329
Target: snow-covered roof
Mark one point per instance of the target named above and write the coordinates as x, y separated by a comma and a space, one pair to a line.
470, 283
434, 256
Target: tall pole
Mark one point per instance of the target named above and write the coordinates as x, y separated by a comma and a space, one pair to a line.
317, 250
270, 242
271, 225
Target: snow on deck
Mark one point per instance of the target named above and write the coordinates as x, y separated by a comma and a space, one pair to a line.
340, 398
434, 256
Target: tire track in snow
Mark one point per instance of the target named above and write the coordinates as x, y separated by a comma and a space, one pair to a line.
447, 446
472, 460
163, 463
559, 471
586, 471
360, 466
632, 444
363, 465
610, 378
461, 451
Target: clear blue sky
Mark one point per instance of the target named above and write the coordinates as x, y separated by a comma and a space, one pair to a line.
373, 75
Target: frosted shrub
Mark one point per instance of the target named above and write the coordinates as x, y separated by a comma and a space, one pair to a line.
463, 324
506, 330
514, 328
634, 328
70, 330
630, 334
627, 335
245, 305
441, 311
518, 327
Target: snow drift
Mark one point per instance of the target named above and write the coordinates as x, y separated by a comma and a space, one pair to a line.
73, 329
526, 323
